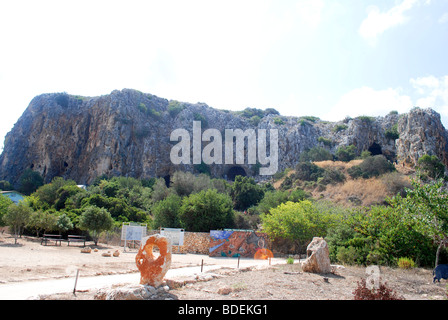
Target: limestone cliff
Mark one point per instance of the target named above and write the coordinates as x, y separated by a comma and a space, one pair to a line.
128, 133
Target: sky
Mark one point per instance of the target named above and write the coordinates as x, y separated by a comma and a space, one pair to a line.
324, 58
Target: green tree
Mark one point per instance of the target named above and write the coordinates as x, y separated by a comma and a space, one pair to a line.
29, 181
42, 221
160, 190
206, 210
245, 192
372, 166
95, 220
426, 204
431, 167
63, 223
5, 202
17, 217
316, 154
346, 153
166, 212
297, 221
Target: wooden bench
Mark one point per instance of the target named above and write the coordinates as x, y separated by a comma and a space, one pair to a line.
75, 238
51, 237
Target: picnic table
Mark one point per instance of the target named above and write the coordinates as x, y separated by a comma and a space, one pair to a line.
76, 238
51, 237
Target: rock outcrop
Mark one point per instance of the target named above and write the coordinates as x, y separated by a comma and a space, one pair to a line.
318, 257
128, 133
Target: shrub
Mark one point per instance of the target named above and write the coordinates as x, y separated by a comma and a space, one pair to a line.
95, 220
300, 221
166, 212
16, 217
382, 293
392, 133
315, 154
371, 167
278, 121
255, 120
245, 192
366, 119
325, 141
142, 107
29, 181
332, 176
339, 127
431, 166
346, 153
174, 108
365, 154
290, 260
406, 263
200, 117
206, 210
310, 118
62, 99
396, 183
307, 171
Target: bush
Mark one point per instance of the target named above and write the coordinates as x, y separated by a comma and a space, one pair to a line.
206, 210
245, 192
325, 141
382, 293
406, 263
174, 108
142, 107
278, 121
396, 183
371, 167
166, 212
95, 220
290, 260
300, 221
315, 154
346, 153
339, 127
431, 167
307, 171
62, 99
29, 181
392, 133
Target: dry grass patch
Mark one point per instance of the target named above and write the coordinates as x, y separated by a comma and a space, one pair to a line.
365, 192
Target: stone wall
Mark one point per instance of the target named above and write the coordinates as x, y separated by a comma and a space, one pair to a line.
194, 242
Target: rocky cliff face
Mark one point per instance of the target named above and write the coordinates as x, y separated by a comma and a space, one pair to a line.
128, 133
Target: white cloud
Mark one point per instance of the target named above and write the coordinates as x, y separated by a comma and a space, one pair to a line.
310, 12
378, 22
444, 18
367, 101
433, 93
428, 92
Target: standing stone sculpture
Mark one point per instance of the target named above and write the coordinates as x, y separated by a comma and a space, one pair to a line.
318, 258
153, 269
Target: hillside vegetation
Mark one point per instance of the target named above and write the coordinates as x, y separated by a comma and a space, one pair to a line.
369, 210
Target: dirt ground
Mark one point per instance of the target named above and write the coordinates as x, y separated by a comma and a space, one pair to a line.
29, 260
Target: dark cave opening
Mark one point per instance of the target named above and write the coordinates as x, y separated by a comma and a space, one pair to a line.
235, 171
375, 149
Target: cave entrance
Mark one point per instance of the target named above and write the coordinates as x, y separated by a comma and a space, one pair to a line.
375, 149
235, 171
167, 180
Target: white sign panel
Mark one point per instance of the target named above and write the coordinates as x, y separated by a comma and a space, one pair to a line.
130, 233
176, 236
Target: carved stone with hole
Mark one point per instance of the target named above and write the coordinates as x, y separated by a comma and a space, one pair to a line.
153, 269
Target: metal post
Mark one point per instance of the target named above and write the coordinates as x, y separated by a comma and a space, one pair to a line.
202, 265
76, 281
238, 262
